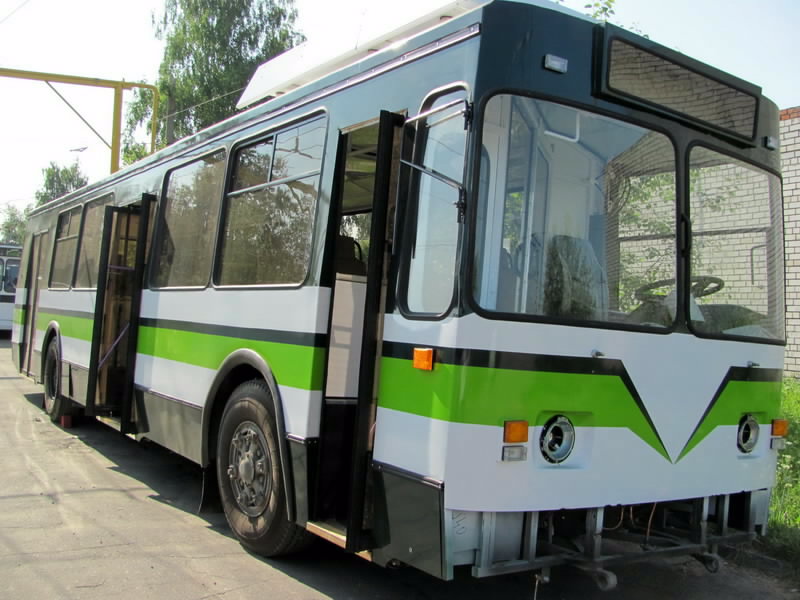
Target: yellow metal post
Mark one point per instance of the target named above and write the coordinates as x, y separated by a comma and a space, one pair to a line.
117, 86
116, 129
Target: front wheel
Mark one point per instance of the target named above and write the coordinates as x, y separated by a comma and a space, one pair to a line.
250, 476
55, 404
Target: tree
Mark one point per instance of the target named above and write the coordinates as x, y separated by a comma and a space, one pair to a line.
59, 181
211, 50
12, 230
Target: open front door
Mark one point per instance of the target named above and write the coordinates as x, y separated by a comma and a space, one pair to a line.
369, 157
116, 319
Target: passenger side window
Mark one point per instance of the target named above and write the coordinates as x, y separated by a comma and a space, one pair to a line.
268, 215
188, 224
64, 250
89, 251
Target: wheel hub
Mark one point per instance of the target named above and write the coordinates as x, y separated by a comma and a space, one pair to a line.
248, 461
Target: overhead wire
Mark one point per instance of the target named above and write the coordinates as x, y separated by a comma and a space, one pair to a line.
11, 14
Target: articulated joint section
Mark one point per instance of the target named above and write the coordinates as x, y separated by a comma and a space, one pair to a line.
594, 539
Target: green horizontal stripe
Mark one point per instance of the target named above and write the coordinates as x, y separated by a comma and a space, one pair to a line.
490, 396
762, 399
69, 326
293, 365
19, 316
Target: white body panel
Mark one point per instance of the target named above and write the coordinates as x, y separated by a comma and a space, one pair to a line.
302, 310
676, 375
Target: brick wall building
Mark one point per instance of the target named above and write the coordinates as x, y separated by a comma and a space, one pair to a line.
790, 163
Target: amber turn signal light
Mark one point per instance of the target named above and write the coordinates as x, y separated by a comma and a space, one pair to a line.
423, 359
515, 432
780, 427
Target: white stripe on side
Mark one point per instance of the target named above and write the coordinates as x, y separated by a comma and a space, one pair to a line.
75, 351
303, 309
72, 300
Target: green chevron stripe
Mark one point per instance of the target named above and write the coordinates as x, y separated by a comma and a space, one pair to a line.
490, 396
293, 365
761, 399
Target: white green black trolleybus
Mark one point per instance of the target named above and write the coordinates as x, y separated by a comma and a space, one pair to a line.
503, 295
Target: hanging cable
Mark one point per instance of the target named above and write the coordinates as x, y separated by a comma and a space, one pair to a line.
80, 116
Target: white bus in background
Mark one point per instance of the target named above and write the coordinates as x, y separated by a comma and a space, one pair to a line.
9, 271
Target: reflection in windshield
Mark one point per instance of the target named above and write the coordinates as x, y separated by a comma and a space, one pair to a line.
10, 275
576, 217
737, 242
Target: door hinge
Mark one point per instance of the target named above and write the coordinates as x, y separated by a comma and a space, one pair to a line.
461, 205
468, 115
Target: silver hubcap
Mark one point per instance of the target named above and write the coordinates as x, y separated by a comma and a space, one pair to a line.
248, 468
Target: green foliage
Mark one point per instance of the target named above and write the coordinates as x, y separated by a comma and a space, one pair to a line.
648, 211
602, 10
783, 538
12, 229
59, 181
211, 50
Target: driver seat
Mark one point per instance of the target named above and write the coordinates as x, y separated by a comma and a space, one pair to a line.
575, 284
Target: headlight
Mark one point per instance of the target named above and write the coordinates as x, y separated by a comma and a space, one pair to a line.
558, 439
747, 437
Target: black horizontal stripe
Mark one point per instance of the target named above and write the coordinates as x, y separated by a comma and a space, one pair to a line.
752, 374
517, 361
6, 299
297, 338
66, 313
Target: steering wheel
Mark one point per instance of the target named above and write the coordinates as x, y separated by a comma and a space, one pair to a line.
702, 285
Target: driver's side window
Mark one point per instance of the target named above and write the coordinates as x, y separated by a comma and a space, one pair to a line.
436, 178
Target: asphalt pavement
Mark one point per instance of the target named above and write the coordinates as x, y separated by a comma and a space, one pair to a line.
87, 513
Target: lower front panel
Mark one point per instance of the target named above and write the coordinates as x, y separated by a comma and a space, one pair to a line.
410, 509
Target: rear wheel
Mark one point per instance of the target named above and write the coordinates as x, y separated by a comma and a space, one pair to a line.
250, 476
54, 404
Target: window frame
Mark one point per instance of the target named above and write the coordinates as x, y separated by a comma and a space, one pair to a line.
270, 132
159, 225
109, 197
470, 298
684, 298
409, 190
6, 260
54, 249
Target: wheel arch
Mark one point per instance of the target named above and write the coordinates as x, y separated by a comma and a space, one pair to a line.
238, 367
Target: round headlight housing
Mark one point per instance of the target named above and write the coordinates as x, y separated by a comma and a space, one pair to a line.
747, 437
557, 439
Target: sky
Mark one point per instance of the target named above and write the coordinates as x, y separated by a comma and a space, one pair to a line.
113, 39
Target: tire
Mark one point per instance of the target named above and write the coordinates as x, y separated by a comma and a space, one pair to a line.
250, 476
55, 405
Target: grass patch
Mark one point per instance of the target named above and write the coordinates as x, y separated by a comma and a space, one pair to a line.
783, 537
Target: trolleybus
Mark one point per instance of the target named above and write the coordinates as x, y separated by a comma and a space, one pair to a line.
504, 293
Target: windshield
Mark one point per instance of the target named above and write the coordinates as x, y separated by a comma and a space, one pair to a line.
10, 276
576, 218
737, 248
